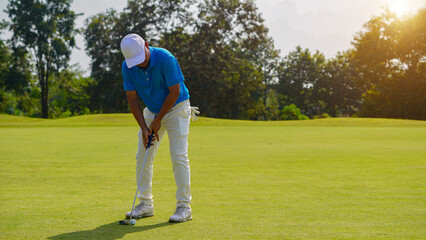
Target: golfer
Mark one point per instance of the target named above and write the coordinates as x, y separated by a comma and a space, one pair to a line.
154, 75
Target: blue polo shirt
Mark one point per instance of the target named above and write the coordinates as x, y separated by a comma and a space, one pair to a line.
152, 84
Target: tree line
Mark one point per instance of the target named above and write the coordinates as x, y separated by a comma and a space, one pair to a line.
231, 66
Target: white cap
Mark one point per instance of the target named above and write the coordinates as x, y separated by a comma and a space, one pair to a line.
133, 49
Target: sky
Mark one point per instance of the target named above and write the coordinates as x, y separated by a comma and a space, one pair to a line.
325, 25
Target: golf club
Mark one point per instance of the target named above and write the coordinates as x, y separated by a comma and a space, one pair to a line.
133, 221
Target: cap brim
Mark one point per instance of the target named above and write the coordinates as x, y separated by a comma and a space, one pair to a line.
131, 62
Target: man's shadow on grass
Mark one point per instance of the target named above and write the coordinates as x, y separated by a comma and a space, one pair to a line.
109, 231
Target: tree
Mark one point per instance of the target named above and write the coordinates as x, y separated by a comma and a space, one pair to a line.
103, 33
69, 95
266, 58
4, 60
222, 72
16, 80
389, 58
215, 48
337, 88
4, 69
45, 29
298, 77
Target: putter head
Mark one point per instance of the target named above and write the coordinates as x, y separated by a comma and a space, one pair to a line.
126, 222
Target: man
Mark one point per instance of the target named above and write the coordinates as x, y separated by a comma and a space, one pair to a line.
154, 75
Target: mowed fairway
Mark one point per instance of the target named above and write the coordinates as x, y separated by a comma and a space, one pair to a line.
318, 179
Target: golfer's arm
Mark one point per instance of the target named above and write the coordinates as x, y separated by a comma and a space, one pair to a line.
170, 100
132, 99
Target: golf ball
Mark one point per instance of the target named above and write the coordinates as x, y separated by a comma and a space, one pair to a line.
133, 221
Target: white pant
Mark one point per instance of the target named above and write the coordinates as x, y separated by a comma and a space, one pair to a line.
176, 123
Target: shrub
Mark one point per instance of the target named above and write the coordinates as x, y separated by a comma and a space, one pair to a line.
324, 115
291, 112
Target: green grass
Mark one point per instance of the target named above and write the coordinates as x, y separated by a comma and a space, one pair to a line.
319, 179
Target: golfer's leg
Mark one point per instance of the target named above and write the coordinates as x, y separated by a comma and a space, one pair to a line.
145, 186
178, 130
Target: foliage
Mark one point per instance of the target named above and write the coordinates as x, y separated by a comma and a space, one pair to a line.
337, 89
103, 34
230, 64
272, 105
17, 91
213, 50
69, 94
298, 78
45, 29
266, 58
324, 115
389, 58
291, 112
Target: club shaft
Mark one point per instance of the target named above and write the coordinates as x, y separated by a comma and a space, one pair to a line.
139, 181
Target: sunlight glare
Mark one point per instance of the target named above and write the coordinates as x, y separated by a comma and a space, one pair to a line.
399, 7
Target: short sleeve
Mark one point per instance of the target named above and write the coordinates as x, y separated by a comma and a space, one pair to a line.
172, 72
127, 80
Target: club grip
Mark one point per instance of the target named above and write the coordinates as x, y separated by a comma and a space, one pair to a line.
150, 140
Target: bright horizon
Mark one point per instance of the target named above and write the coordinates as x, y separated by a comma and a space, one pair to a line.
327, 25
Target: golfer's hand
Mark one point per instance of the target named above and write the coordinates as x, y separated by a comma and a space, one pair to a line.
145, 134
155, 127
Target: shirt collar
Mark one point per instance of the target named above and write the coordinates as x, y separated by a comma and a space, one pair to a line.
153, 59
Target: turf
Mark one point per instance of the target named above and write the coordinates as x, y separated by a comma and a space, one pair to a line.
319, 179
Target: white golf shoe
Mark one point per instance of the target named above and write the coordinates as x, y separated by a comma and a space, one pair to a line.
182, 214
142, 210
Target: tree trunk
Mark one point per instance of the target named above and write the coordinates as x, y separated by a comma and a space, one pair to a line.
44, 111
44, 91
44, 103
265, 95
